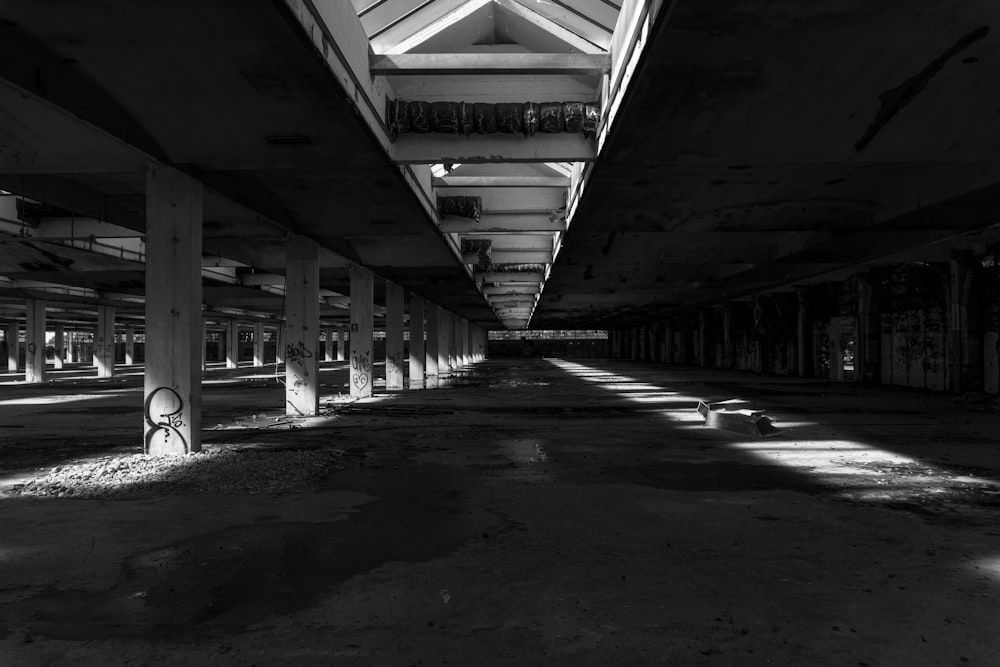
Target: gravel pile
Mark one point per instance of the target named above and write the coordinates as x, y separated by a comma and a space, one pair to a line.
218, 471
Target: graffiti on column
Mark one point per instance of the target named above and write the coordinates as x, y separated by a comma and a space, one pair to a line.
361, 366
165, 419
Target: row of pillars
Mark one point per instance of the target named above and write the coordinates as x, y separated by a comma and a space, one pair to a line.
440, 341
35, 349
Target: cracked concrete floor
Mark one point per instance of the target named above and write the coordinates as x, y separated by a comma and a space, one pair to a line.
534, 512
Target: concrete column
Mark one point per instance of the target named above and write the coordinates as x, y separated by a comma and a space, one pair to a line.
204, 345
12, 336
668, 334
959, 348
104, 343
466, 356
634, 341
328, 343
433, 339
279, 344
728, 344
174, 329
444, 343
129, 344
804, 331
417, 351
70, 347
301, 326
59, 343
702, 339
258, 344
34, 341
362, 331
232, 343
394, 373
836, 350
867, 347
340, 344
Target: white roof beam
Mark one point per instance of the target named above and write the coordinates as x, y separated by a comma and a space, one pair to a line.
477, 64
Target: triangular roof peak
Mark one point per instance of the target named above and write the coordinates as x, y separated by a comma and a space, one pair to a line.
502, 26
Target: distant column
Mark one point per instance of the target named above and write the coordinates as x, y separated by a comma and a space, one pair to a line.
232, 344
302, 327
204, 345
328, 342
104, 344
129, 345
444, 343
258, 344
362, 331
804, 332
668, 349
59, 343
466, 357
340, 343
433, 318
174, 329
393, 336
417, 352
34, 341
702, 339
13, 346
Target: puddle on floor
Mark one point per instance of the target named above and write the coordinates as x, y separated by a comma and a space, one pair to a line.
225, 580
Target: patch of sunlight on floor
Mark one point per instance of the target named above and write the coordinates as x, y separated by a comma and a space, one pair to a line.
871, 472
989, 567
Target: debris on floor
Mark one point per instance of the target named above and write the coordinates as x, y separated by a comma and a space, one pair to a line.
750, 422
225, 471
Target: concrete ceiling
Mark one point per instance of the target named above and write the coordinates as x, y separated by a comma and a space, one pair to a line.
766, 144
758, 145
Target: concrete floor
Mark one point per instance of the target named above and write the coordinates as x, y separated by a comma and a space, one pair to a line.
535, 512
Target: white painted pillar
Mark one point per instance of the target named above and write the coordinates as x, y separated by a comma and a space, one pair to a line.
70, 338
129, 344
13, 346
393, 336
340, 344
34, 341
433, 316
59, 343
258, 344
302, 327
417, 353
328, 341
104, 344
362, 332
175, 333
232, 344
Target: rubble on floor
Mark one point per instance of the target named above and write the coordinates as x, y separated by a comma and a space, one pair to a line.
225, 470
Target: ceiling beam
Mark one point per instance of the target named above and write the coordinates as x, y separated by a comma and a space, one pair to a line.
505, 222
500, 182
478, 149
559, 32
437, 64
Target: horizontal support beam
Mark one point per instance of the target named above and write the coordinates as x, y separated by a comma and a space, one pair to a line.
505, 222
257, 279
521, 256
529, 277
436, 64
477, 149
512, 290
499, 200
497, 88
500, 182
526, 241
